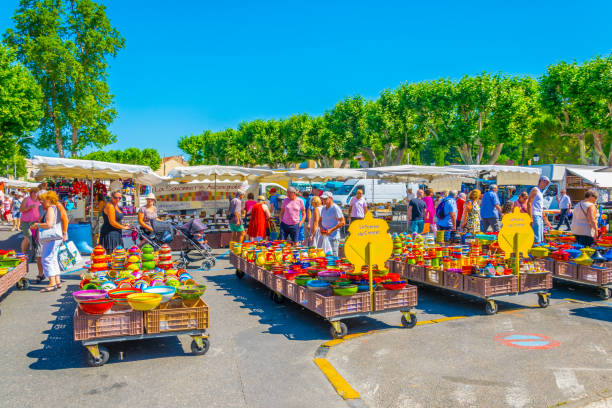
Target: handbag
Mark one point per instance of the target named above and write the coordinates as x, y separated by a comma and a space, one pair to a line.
51, 234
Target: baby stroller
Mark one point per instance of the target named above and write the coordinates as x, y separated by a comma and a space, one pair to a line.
162, 234
195, 248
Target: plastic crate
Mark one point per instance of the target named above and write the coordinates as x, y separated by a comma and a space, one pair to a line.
390, 265
276, 283
260, 274
400, 268
489, 286
548, 264
453, 280
417, 273
536, 281
290, 289
393, 299
595, 275
331, 306
174, 319
9, 279
232, 259
114, 323
566, 270
303, 297
434, 276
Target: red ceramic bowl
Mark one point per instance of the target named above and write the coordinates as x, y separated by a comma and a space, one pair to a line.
291, 275
397, 285
120, 295
394, 276
96, 306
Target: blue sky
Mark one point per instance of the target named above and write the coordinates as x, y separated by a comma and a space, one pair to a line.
195, 65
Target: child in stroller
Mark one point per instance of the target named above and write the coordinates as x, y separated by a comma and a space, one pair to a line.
195, 246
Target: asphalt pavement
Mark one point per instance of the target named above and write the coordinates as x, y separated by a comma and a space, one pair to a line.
262, 353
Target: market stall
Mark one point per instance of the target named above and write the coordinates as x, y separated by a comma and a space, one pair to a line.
13, 271
136, 295
92, 170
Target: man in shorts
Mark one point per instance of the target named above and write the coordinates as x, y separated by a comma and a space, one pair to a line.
235, 217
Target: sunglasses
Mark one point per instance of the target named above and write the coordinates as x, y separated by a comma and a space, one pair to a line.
116, 198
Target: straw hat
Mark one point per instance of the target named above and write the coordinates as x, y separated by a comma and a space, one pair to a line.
150, 196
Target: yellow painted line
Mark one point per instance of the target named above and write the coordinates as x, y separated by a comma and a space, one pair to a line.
342, 387
446, 319
423, 322
579, 301
332, 343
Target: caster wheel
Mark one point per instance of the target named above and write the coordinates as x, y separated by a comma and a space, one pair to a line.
604, 293
491, 308
206, 265
22, 284
213, 261
98, 362
198, 351
239, 274
338, 335
277, 298
409, 324
543, 301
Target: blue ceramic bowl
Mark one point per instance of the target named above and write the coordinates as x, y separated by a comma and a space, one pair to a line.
167, 292
317, 285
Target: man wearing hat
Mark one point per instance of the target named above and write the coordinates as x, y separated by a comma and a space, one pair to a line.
332, 220
535, 207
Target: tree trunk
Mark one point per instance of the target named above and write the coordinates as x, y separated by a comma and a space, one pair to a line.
345, 163
465, 151
480, 152
598, 154
495, 153
399, 156
582, 145
371, 155
75, 141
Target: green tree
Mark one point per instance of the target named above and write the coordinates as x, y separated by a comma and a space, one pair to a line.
66, 44
133, 155
20, 109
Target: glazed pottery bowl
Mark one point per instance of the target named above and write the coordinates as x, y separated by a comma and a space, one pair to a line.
329, 276
302, 279
89, 294
98, 306
167, 292
317, 285
345, 290
144, 301
190, 293
394, 285
120, 295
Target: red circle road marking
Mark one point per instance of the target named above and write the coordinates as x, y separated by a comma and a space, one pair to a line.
528, 341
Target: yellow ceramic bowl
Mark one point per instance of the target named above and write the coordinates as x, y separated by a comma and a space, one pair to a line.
3, 271
144, 301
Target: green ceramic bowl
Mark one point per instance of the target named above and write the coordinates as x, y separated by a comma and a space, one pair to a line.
345, 290
302, 279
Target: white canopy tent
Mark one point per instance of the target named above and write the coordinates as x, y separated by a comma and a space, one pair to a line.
199, 172
318, 174
437, 177
506, 175
93, 169
601, 178
17, 183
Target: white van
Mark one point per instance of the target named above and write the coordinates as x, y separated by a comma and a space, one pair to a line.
374, 191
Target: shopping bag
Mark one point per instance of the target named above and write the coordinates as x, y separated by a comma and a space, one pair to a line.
69, 257
426, 228
326, 245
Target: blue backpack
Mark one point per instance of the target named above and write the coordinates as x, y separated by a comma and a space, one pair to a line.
440, 213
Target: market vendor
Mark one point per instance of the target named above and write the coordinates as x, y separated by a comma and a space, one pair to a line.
147, 214
584, 221
358, 207
535, 207
110, 233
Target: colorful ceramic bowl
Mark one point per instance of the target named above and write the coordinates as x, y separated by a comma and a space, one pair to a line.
89, 294
394, 285
345, 290
302, 279
120, 295
317, 285
190, 293
98, 306
167, 292
329, 276
144, 301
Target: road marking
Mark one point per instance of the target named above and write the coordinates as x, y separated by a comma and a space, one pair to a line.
465, 394
517, 396
342, 387
528, 341
507, 323
568, 383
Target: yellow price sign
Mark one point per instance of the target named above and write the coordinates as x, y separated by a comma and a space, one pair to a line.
516, 235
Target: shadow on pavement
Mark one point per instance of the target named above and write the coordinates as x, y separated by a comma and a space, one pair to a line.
603, 313
60, 351
563, 289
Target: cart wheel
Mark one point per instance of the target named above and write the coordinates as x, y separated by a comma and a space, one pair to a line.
98, 362
22, 284
604, 293
277, 298
206, 265
239, 274
213, 261
198, 351
339, 334
409, 324
490, 307
543, 300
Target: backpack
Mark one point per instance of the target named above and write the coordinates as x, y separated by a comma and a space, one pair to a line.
440, 214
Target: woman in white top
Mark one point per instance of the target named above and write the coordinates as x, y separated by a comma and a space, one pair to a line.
315, 231
584, 220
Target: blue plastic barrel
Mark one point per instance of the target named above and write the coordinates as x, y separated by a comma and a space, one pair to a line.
80, 234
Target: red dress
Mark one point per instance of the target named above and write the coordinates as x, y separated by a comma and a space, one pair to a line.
258, 223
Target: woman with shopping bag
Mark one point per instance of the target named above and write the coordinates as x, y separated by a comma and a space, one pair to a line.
50, 236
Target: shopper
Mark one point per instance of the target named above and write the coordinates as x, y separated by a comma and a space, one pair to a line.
110, 233
7, 206
409, 195
584, 221
331, 221
250, 202
460, 203
470, 221
490, 209
358, 207
521, 202
308, 206
273, 199
16, 210
51, 219
429, 216
535, 207
260, 217
447, 212
292, 216
147, 214
29, 215
98, 221
417, 213
303, 222
314, 238
235, 217
565, 205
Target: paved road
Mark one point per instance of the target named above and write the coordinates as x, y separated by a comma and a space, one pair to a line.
262, 354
